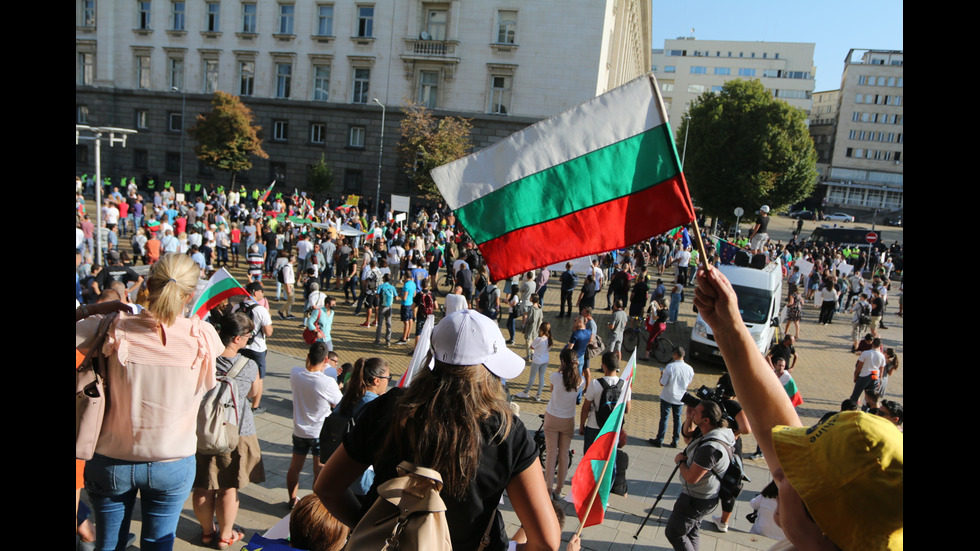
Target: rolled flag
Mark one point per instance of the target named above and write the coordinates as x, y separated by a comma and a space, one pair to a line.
593, 477
600, 176
420, 354
221, 286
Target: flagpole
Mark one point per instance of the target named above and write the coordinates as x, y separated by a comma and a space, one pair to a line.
595, 492
697, 231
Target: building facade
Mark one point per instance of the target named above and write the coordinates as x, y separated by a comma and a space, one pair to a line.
687, 67
822, 122
867, 159
315, 74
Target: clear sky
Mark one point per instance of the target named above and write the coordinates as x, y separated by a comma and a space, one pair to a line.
835, 26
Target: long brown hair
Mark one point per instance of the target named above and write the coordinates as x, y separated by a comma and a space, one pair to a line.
570, 377
438, 419
365, 371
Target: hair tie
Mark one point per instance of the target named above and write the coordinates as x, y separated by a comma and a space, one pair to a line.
171, 279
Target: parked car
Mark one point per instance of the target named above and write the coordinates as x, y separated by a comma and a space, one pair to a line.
803, 215
838, 217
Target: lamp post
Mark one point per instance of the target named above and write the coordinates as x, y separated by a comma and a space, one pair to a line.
183, 105
116, 135
687, 128
381, 148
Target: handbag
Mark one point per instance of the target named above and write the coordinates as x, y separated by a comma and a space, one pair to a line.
91, 393
595, 348
409, 515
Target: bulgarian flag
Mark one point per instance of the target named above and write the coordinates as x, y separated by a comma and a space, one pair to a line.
220, 287
595, 178
789, 385
267, 192
593, 477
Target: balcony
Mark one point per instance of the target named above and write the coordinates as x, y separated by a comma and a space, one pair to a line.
428, 49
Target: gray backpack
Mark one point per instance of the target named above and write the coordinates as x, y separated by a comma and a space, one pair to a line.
217, 420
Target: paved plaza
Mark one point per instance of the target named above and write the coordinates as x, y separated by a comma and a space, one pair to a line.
823, 375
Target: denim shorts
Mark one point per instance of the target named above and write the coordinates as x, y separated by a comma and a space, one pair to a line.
303, 446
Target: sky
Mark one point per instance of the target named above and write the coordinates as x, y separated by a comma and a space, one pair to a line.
835, 26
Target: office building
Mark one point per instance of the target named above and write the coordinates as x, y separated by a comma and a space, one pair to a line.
822, 122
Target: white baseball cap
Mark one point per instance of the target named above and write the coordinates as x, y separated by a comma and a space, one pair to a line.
764, 209
467, 337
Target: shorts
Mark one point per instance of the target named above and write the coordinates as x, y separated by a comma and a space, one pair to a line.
759, 241
303, 446
372, 301
616, 345
875, 322
406, 312
235, 469
258, 358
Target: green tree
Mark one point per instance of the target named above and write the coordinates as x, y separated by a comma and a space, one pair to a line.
746, 149
321, 176
428, 142
226, 137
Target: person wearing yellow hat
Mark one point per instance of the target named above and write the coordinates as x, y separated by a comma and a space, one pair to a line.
840, 481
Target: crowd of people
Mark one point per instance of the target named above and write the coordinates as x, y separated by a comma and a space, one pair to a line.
319, 251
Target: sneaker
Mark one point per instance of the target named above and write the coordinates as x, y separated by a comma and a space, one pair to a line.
377, 343
291, 317
655, 443
509, 342
365, 324
754, 456
721, 526
522, 395
537, 398
375, 324
281, 315
672, 444
258, 411
401, 341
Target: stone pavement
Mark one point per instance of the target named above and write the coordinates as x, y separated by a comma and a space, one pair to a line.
823, 374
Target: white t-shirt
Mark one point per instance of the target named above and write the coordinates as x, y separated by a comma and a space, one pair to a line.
676, 377
540, 347
314, 396
873, 360
562, 402
594, 394
261, 319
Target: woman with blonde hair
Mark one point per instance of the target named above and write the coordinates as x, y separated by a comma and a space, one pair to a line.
160, 364
454, 419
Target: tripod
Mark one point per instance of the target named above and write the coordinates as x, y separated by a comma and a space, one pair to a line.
659, 497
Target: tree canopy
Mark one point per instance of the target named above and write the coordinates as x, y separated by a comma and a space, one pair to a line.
746, 149
428, 142
226, 137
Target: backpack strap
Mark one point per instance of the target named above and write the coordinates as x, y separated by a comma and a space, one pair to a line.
237, 368
728, 449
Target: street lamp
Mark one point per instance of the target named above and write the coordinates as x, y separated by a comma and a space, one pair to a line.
183, 104
687, 128
381, 148
116, 135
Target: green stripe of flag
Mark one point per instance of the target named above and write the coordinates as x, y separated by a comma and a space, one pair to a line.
609, 173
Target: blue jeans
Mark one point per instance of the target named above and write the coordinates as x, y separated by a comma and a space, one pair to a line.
539, 370
675, 411
112, 485
860, 386
675, 307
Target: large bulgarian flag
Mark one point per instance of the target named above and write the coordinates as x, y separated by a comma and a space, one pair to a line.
595, 178
221, 286
593, 477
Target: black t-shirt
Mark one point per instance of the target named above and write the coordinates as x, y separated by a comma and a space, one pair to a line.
467, 518
763, 223
876, 306
116, 273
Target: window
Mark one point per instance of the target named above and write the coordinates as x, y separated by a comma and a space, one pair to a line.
362, 79
436, 24
723, 71
746, 72
81, 114
141, 158
428, 88
246, 70
499, 95
143, 72
356, 137
142, 119
86, 68
81, 154
279, 130
177, 16
365, 22
696, 88
321, 83
506, 26
214, 17
353, 181
284, 77
697, 70
667, 87
248, 18
176, 69
770, 73
173, 162
143, 15
176, 122
210, 76
88, 14
670, 69
324, 20
286, 12
318, 133
717, 89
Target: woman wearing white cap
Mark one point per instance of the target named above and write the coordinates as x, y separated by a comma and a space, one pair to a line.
454, 419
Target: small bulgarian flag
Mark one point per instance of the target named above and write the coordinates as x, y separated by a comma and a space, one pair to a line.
221, 286
593, 477
598, 177
789, 385
267, 192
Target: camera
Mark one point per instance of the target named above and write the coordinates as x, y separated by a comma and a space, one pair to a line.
716, 395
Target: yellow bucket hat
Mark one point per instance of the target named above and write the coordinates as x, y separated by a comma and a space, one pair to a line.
849, 472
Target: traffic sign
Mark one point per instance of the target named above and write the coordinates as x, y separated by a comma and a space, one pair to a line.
871, 237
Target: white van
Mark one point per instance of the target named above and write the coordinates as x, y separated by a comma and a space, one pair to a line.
760, 294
